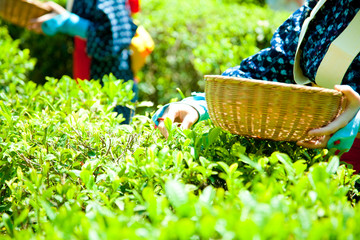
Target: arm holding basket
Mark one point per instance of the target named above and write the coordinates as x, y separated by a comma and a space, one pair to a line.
276, 63
103, 33
339, 134
60, 21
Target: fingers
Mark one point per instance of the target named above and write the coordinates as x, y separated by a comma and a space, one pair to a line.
36, 23
161, 125
181, 113
316, 143
341, 121
163, 129
350, 94
188, 121
170, 113
35, 27
335, 125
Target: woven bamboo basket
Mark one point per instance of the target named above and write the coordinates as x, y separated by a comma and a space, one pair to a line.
270, 110
19, 12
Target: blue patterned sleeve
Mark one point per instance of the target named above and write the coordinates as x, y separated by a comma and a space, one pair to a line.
275, 63
111, 30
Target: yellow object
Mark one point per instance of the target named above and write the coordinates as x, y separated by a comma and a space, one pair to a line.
141, 46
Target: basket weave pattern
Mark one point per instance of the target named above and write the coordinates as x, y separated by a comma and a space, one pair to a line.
270, 110
19, 12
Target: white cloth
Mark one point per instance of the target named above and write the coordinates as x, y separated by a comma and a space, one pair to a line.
69, 5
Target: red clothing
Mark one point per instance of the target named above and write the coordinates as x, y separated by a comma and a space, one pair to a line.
81, 61
134, 6
353, 156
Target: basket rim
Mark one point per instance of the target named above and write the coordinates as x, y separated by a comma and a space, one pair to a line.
19, 12
38, 4
33, 3
290, 86
226, 113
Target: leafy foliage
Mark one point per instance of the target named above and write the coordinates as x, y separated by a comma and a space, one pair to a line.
258, 2
14, 63
70, 170
52, 53
198, 40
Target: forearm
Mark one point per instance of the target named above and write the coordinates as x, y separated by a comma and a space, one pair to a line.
344, 137
67, 23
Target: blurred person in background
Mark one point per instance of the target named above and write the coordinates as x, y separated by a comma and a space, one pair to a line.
102, 30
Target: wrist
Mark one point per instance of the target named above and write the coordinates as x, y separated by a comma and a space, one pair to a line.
53, 25
67, 23
75, 26
344, 137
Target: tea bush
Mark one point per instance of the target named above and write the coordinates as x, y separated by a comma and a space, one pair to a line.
198, 40
257, 2
202, 38
15, 63
70, 170
53, 53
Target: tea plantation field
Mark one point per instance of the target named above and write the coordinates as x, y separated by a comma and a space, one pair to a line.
70, 170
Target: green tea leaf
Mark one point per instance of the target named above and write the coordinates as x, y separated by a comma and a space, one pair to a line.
176, 193
8, 224
333, 165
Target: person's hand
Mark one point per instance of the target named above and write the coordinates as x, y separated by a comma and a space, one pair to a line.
340, 122
36, 23
177, 113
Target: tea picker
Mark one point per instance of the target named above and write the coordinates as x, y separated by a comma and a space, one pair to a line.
103, 32
316, 46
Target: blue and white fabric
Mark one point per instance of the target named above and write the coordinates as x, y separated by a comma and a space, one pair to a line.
108, 37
